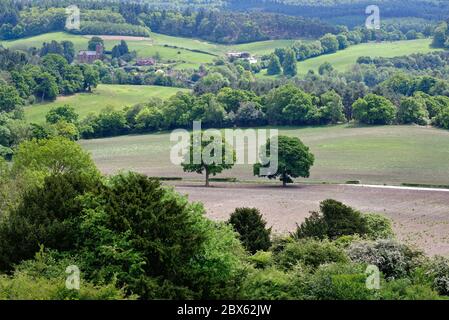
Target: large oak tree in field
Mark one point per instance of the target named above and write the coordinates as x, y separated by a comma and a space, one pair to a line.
211, 162
294, 160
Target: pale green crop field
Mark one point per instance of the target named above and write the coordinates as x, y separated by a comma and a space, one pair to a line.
116, 96
377, 155
343, 59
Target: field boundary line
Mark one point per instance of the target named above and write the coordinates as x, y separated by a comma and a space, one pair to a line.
395, 187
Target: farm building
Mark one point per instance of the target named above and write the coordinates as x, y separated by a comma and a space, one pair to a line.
85, 56
242, 55
145, 62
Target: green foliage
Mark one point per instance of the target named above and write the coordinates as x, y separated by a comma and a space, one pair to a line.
332, 108
405, 289
218, 268
120, 49
274, 66
107, 28
338, 282
262, 259
330, 43
94, 42
65, 113
377, 226
438, 269
309, 252
268, 284
215, 155
412, 110
289, 65
40, 158
24, 287
290, 105
251, 226
325, 69
294, 160
442, 119
47, 215
440, 36
336, 220
374, 109
164, 248
394, 260
9, 98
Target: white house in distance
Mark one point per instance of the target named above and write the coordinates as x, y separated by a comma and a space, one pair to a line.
242, 55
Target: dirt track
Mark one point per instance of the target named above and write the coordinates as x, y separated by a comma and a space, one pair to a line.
421, 217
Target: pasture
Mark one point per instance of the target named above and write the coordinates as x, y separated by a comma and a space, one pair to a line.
343, 59
171, 49
374, 155
116, 96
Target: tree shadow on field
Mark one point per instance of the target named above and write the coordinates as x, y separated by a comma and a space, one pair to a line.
218, 185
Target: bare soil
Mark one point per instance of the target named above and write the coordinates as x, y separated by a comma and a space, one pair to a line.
420, 217
126, 38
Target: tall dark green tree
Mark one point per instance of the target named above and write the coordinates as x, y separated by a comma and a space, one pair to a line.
289, 65
274, 66
293, 158
204, 156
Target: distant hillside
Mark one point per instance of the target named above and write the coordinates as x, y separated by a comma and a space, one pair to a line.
349, 12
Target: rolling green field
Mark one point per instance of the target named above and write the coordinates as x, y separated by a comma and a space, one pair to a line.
158, 43
117, 96
342, 60
373, 155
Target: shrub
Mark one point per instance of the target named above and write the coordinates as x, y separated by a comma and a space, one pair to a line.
311, 253
21, 286
218, 269
442, 119
336, 220
374, 109
262, 259
338, 281
393, 259
48, 215
250, 225
413, 110
268, 284
438, 270
157, 244
44, 278
404, 289
313, 227
136, 229
377, 226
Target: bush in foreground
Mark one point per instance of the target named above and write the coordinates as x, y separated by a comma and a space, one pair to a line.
249, 223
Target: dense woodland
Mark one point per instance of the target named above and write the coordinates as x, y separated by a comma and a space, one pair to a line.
136, 20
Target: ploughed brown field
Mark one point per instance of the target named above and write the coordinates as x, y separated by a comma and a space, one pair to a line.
421, 217
390, 155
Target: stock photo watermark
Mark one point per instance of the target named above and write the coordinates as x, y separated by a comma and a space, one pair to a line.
72, 281
214, 146
373, 20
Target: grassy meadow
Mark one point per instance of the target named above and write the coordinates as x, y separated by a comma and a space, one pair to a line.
378, 155
342, 60
164, 45
117, 96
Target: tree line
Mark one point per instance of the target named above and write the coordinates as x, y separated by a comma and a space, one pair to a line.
137, 20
